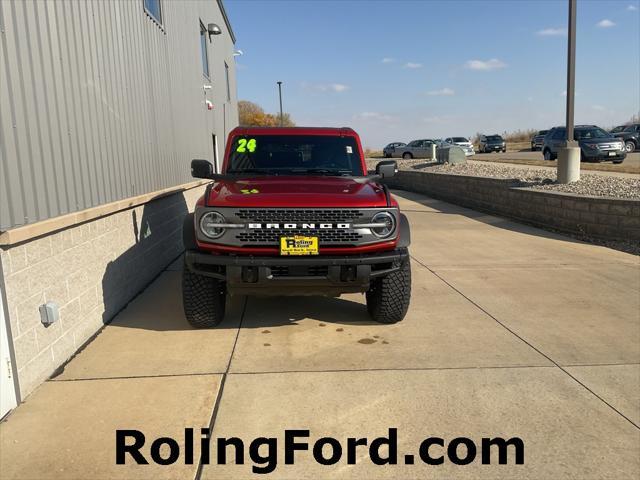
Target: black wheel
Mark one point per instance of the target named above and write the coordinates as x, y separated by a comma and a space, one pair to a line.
388, 297
203, 299
547, 154
504, 150
629, 146
407, 156
617, 162
387, 155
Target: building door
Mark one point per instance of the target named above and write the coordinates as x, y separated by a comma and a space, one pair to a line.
7, 388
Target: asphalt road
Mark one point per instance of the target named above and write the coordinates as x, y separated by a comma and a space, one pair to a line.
632, 160
512, 332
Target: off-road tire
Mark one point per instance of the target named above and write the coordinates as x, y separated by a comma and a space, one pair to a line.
203, 299
388, 297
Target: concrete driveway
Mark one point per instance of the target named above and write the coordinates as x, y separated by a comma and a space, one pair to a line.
512, 332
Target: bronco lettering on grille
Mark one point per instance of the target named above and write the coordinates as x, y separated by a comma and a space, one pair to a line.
312, 226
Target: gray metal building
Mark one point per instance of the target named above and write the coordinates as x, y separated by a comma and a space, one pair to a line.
103, 104
104, 100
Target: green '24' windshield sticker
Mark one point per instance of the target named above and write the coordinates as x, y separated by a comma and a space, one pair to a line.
244, 145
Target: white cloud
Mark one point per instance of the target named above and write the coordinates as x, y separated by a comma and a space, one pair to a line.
606, 23
491, 64
374, 116
326, 87
338, 87
442, 92
388, 60
632, 8
552, 32
412, 65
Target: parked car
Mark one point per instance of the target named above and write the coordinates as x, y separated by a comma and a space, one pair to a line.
617, 129
630, 136
415, 149
314, 223
595, 144
538, 140
391, 148
462, 142
491, 143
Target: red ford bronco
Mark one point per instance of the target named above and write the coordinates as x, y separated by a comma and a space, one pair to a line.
295, 213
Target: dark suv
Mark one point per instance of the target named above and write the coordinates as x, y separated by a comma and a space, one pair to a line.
538, 140
491, 143
595, 144
630, 136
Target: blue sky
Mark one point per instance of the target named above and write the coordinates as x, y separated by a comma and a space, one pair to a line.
399, 70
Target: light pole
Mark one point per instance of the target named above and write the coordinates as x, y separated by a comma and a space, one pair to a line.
280, 94
569, 155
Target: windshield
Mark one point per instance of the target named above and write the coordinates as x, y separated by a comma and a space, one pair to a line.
459, 139
590, 133
494, 138
295, 155
630, 128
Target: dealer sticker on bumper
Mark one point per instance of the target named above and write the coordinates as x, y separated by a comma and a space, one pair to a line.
299, 245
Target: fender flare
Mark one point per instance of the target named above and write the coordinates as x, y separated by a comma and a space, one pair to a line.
188, 233
405, 232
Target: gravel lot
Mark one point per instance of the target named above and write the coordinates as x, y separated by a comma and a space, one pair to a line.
544, 179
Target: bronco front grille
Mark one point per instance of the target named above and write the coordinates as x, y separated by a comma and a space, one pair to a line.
299, 215
272, 235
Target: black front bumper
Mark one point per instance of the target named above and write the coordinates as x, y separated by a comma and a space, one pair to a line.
308, 275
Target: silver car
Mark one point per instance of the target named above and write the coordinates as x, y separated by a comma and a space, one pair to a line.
463, 143
415, 149
389, 150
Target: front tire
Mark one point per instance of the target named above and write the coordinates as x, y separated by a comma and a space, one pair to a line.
203, 299
548, 155
388, 297
629, 146
407, 156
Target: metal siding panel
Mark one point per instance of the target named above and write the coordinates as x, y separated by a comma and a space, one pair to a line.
51, 158
110, 77
87, 88
94, 87
99, 103
20, 123
74, 181
64, 165
129, 110
34, 96
11, 212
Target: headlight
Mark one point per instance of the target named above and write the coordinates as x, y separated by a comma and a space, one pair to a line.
209, 224
389, 222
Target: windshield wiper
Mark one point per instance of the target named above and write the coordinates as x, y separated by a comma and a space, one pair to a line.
322, 171
264, 171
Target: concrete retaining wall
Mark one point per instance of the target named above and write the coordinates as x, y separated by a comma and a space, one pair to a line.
600, 217
91, 270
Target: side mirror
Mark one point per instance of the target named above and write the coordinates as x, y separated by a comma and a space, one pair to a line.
387, 168
201, 169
